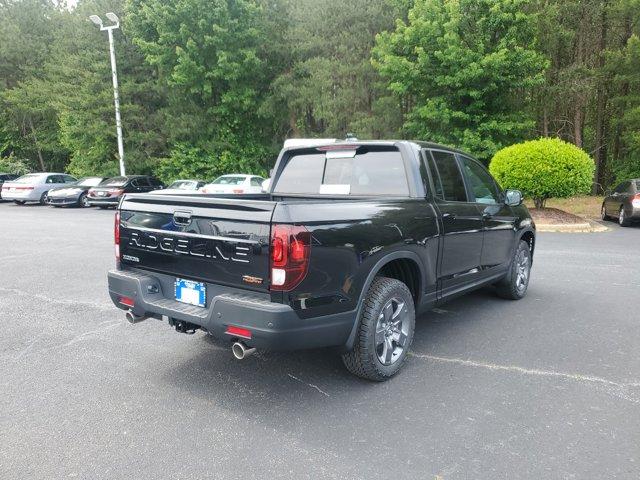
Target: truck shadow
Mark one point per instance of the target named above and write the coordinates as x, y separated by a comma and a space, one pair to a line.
308, 378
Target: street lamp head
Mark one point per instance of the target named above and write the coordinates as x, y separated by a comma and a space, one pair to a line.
114, 18
96, 19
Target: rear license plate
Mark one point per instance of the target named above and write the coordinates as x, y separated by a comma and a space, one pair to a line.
193, 293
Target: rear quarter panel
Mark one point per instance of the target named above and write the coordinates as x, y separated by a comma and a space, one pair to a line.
349, 238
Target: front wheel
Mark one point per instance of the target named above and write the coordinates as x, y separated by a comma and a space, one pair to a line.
623, 221
385, 331
83, 201
515, 283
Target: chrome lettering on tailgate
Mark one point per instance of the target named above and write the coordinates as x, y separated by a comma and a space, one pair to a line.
194, 245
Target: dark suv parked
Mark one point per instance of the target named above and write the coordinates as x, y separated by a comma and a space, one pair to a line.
351, 242
109, 192
5, 177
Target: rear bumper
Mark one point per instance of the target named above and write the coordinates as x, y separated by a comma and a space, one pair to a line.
28, 196
274, 326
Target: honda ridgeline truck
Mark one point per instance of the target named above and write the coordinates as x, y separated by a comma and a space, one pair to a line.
350, 243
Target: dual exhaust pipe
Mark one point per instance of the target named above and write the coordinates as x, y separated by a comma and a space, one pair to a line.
133, 318
240, 350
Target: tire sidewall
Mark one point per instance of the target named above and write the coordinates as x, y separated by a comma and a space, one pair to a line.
399, 290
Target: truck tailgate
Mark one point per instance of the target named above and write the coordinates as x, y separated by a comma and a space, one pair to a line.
209, 239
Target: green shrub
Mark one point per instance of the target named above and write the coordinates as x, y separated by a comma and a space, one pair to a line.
542, 169
14, 165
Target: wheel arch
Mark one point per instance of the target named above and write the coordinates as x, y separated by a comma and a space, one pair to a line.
404, 266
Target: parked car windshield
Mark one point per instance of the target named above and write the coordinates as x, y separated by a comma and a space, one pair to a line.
114, 182
28, 178
229, 180
371, 173
183, 185
89, 182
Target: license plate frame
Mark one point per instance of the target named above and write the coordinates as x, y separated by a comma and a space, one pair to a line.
191, 292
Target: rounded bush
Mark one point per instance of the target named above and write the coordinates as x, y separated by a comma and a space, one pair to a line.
544, 168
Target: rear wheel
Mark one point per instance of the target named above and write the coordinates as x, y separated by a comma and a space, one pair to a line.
623, 221
385, 331
603, 214
514, 285
44, 198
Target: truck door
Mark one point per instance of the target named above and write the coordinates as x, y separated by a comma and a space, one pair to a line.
461, 223
498, 218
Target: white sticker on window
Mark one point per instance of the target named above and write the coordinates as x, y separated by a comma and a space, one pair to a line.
336, 189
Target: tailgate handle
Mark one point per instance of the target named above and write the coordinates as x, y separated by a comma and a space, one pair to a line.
182, 218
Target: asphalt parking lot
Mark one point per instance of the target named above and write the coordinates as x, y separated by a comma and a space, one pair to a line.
548, 387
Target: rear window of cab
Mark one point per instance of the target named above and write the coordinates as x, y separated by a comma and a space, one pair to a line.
361, 172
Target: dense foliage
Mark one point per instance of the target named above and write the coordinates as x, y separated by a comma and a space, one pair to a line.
213, 86
544, 168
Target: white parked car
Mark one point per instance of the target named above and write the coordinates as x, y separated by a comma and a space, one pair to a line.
34, 187
236, 183
181, 186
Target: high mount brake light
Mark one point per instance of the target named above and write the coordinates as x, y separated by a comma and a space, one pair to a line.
290, 253
329, 148
116, 234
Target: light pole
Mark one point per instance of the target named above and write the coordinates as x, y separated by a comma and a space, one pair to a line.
114, 74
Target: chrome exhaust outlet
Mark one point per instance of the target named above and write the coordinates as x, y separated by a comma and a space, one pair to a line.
133, 318
241, 351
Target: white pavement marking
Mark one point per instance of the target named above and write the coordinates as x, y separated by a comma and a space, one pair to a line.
58, 301
621, 388
309, 385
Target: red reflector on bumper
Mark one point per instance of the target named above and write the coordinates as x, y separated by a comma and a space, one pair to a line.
127, 301
238, 332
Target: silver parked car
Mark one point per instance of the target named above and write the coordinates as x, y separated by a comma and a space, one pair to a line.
623, 203
34, 187
74, 194
181, 186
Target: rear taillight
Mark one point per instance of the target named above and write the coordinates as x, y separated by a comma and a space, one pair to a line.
635, 201
290, 252
116, 235
238, 190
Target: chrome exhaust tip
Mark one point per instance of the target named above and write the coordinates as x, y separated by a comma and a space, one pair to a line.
133, 318
241, 351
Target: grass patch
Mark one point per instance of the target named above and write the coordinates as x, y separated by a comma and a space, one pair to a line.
585, 206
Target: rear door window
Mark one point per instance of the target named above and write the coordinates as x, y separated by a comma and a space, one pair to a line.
482, 185
449, 184
368, 172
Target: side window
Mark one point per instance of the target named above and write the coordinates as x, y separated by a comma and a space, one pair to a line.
143, 182
51, 179
621, 188
482, 185
69, 179
256, 181
448, 180
135, 184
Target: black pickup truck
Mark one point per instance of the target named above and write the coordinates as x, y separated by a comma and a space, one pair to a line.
352, 240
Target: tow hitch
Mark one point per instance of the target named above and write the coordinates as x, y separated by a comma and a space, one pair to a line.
183, 327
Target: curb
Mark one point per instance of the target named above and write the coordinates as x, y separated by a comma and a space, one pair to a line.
587, 227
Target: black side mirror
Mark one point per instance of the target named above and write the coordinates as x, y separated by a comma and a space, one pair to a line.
513, 198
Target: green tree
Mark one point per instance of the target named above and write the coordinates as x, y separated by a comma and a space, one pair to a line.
210, 56
328, 85
465, 71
